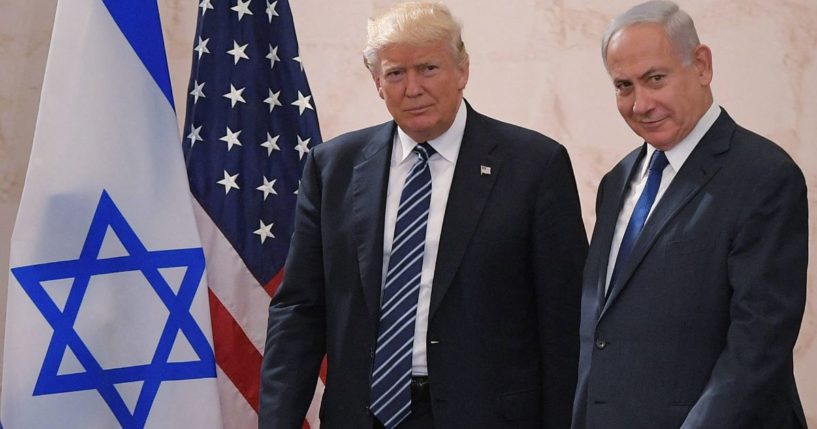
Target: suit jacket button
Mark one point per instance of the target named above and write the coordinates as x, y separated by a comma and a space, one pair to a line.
601, 344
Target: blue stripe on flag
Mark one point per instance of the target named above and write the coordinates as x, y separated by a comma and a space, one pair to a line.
140, 23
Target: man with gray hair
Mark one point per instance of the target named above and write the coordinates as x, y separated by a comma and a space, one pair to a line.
695, 284
436, 258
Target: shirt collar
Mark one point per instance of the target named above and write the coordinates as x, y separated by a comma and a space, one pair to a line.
679, 153
447, 144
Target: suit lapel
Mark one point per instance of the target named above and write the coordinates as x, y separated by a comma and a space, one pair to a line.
469, 192
703, 163
608, 216
370, 180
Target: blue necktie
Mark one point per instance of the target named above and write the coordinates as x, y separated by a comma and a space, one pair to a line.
642, 208
391, 375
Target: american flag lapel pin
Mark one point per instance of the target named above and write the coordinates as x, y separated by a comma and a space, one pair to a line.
484, 170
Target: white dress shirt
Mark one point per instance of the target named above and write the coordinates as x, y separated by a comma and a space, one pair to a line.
676, 157
442, 166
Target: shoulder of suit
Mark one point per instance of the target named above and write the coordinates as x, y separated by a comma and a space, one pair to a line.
756, 151
354, 141
625, 164
509, 134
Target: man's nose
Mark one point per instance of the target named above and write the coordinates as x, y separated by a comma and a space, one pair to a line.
643, 101
414, 85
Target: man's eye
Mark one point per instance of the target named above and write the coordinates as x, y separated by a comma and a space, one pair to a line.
657, 78
430, 68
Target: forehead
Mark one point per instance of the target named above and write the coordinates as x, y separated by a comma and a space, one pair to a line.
640, 47
408, 54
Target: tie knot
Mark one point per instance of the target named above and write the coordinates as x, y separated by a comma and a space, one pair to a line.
659, 161
424, 150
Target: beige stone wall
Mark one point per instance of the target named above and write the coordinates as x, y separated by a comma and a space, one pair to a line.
533, 62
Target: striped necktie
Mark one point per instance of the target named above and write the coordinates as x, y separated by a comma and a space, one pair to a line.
642, 208
391, 376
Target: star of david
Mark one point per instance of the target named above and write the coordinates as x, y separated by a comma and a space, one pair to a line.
89, 264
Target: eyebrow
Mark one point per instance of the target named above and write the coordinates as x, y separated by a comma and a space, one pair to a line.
643, 76
391, 66
652, 71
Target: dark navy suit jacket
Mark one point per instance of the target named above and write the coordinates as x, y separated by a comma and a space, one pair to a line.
698, 330
503, 322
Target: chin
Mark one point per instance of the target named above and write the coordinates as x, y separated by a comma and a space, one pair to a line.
420, 128
657, 140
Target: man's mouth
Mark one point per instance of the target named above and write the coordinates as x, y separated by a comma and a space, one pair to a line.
418, 109
652, 123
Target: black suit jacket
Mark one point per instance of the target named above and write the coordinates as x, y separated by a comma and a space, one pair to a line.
698, 330
504, 315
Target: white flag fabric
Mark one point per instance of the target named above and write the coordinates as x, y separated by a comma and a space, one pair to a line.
108, 320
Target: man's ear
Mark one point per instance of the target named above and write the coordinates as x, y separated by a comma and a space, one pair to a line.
463, 78
376, 79
702, 60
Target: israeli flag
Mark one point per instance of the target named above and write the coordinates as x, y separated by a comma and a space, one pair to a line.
108, 319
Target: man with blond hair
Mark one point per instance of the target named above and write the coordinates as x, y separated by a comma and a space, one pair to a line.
436, 258
695, 284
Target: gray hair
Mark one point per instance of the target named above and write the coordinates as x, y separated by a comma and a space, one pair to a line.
413, 23
677, 23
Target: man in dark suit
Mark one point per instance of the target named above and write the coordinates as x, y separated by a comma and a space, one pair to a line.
436, 259
695, 284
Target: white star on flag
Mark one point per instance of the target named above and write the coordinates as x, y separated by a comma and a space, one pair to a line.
272, 100
302, 103
204, 5
231, 138
271, 144
238, 52
198, 91
271, 10
300, 62
264, 231
201, 47
272, 56
195, 135
234, 95
242, 8
267, 188
228, 182
302, 147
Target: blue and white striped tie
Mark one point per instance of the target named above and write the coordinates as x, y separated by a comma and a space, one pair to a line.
391, 376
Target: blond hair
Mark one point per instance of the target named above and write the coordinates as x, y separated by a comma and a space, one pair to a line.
413, 23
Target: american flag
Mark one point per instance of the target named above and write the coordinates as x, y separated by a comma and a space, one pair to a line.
250, 122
